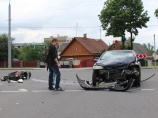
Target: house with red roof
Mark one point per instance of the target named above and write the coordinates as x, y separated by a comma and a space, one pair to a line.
83, 51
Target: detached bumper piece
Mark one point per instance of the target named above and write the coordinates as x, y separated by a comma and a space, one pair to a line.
123, 86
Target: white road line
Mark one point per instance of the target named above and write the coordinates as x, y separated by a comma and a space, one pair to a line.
147, 89
41, 91
46, 91
42, 81
65, 83
23, 90
10, 91
73, 90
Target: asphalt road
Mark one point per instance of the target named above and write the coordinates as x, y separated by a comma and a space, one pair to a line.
32, 99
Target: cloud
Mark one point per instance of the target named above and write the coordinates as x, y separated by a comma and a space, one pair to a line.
33, 20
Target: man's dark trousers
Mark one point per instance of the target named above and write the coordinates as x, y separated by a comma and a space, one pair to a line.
53, 69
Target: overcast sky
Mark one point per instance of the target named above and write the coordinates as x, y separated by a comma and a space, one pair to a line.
34, 20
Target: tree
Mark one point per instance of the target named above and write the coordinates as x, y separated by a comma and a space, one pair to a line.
31, 53
15, 52
156, 13
119, 16
4, 48
149, 47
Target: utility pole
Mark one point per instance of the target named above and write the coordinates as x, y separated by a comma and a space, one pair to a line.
154, 50
154, 43
76, 28
9, 36
100, 32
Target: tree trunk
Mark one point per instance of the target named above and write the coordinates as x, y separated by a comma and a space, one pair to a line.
123, 43
131, 41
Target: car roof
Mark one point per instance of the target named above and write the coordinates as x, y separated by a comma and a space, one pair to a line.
122, 50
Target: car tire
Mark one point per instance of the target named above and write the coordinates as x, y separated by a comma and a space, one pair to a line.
94, 76
137, 81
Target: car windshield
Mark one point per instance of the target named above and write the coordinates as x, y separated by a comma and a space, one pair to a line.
116, 54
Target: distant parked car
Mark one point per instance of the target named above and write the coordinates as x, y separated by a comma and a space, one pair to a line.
15, 59
42, 65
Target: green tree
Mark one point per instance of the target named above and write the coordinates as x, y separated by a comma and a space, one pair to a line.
149, 47
119, 16
31, 53
4, 48
156, 13
47, 43
15, 52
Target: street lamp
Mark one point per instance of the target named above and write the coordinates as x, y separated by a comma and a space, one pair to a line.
9, 36
154, 50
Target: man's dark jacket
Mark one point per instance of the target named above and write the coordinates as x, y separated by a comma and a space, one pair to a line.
52, 53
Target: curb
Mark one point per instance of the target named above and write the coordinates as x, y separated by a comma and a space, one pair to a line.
21, 68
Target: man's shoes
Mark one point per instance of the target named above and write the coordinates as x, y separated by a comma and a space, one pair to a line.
51, 88
59, 89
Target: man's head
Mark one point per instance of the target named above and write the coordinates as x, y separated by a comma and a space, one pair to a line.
54, 41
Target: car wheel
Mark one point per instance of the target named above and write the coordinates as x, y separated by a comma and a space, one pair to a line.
94, 78
137, 81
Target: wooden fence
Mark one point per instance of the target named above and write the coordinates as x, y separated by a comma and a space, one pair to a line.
4, 64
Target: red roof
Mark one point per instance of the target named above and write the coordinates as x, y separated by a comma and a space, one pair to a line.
94, 46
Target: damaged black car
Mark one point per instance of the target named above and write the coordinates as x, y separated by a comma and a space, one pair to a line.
117, 70
117, 66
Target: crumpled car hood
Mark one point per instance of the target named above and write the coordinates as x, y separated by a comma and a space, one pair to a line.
115, 63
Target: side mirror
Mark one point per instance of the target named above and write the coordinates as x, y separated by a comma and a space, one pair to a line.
140, 59
95, 60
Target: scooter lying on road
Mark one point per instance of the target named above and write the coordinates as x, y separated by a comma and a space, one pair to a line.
18, 76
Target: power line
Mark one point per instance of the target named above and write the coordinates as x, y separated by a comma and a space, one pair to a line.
79, 4
71, 27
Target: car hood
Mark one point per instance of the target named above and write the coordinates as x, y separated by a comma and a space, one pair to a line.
115, 63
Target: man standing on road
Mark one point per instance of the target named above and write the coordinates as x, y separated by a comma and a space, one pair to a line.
54, 66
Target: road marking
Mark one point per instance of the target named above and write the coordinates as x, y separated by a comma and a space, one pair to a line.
73, 90
47, 91
41, 91
64, 83
20, 90
10, 91
42, 81
23, 90
147, 89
